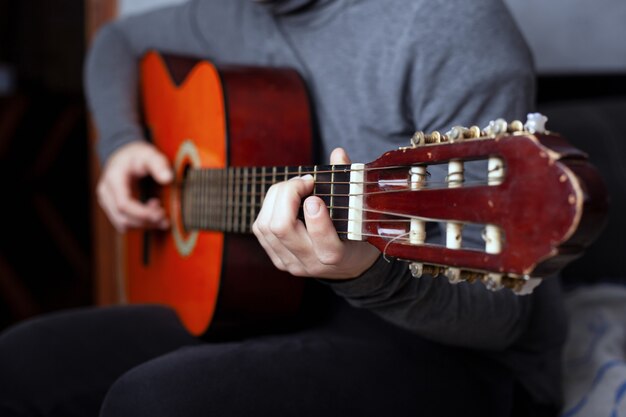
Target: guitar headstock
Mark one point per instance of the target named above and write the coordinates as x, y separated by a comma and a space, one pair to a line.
537, 204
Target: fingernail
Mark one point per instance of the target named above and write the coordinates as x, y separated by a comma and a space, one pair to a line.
312, 206
307, 177
166, 175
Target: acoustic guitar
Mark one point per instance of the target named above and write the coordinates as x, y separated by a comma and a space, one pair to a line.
231, 132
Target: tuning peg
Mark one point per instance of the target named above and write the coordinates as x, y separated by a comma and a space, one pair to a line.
496, 127
435, 137
536, 123
493, 282
454, 275
418, 139
457, 133
516, 126
419, 269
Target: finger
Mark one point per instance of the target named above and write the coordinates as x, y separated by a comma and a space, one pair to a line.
261, 228
106, 201
119, 186
322, 233
268, 248
339, 157
284, 223
277, 226
261, 224
157, 165
164, 223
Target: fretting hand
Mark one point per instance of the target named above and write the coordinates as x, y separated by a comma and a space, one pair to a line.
314, 250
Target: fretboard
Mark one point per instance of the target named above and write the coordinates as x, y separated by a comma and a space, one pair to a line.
230, 199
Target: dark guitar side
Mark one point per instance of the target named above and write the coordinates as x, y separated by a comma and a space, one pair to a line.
269, 124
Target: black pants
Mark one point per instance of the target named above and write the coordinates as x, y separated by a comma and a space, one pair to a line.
139, 361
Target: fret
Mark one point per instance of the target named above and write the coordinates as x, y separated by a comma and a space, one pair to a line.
212, 195
205, 199
332, 190
229, 200
340, 197
216, 199
286, 169
223, 199
315, 180
237, 199
355, 202
197, 197
322, 184
244, 211
274, 169
193, 197
202, 192
263, 174
253, 197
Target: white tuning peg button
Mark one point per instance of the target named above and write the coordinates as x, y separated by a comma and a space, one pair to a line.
536, 123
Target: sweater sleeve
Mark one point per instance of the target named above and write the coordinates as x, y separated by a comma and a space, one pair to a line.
111, 67
473, 69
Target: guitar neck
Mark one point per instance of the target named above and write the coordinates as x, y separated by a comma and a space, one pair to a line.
229, 199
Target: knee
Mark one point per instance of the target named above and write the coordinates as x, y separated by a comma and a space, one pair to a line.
21, 349
138, 393
23, 359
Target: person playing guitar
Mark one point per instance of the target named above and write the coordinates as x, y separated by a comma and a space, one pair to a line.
377, 341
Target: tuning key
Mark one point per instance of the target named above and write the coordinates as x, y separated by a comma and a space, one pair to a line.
419, 269
493, 282
536, 123
454, 275
418, 139
516, 126
457, 133
496, 127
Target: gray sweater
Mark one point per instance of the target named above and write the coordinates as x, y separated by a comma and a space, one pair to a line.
377, 71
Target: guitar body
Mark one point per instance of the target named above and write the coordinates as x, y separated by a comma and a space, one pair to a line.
202, 116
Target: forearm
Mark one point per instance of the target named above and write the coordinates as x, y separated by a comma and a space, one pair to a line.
111, 88
465, 314
111, 69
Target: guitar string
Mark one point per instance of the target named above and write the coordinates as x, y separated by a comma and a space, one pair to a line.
290, 170
401, 217
229, 203
243, 189
252, 172
250, 180
246, 192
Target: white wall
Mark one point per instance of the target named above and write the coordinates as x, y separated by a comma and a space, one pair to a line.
565, 35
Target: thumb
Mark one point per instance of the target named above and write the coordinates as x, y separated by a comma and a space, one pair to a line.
159, 167
339, 157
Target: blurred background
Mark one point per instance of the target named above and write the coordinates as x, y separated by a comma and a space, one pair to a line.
57, 251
